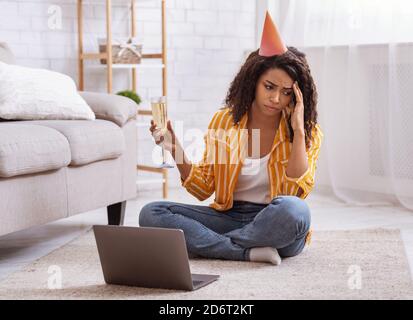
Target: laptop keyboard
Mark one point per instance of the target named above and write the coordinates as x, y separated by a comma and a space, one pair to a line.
196, 282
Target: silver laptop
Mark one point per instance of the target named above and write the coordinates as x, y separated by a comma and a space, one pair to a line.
147, 257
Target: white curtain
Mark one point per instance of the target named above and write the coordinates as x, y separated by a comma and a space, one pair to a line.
361, 56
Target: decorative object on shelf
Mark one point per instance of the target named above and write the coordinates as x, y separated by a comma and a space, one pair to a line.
131, 95
124, 51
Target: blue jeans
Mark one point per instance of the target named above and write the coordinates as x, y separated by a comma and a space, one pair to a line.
282, 224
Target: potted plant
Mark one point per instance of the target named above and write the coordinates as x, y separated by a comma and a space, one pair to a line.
131, 95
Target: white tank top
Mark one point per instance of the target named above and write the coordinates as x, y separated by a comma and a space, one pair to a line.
253, 183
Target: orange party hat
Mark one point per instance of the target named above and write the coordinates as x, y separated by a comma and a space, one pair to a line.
271, 41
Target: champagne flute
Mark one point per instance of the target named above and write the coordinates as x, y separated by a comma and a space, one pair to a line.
160, 116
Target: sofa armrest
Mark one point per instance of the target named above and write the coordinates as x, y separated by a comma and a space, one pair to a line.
115, 108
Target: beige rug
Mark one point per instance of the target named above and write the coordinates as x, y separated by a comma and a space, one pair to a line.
363, 264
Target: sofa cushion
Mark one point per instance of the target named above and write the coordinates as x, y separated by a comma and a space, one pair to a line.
26, 149
112, 107
89, 141
40, 94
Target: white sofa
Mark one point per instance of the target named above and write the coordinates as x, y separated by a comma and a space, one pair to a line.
52, 169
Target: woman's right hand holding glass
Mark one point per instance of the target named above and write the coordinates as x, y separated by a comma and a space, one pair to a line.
163, 137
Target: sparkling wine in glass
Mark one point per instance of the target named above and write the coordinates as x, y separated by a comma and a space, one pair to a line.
160, 116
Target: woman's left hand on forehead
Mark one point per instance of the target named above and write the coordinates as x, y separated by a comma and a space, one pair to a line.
297, 116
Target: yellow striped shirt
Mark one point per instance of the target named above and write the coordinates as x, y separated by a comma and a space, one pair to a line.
226, 148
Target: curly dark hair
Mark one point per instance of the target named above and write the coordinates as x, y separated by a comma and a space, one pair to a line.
241, 93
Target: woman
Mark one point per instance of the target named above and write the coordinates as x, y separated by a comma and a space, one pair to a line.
257, 215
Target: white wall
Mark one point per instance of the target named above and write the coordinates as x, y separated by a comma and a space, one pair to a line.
207, 41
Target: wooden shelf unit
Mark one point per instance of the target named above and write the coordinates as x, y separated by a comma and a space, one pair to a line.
82, 56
